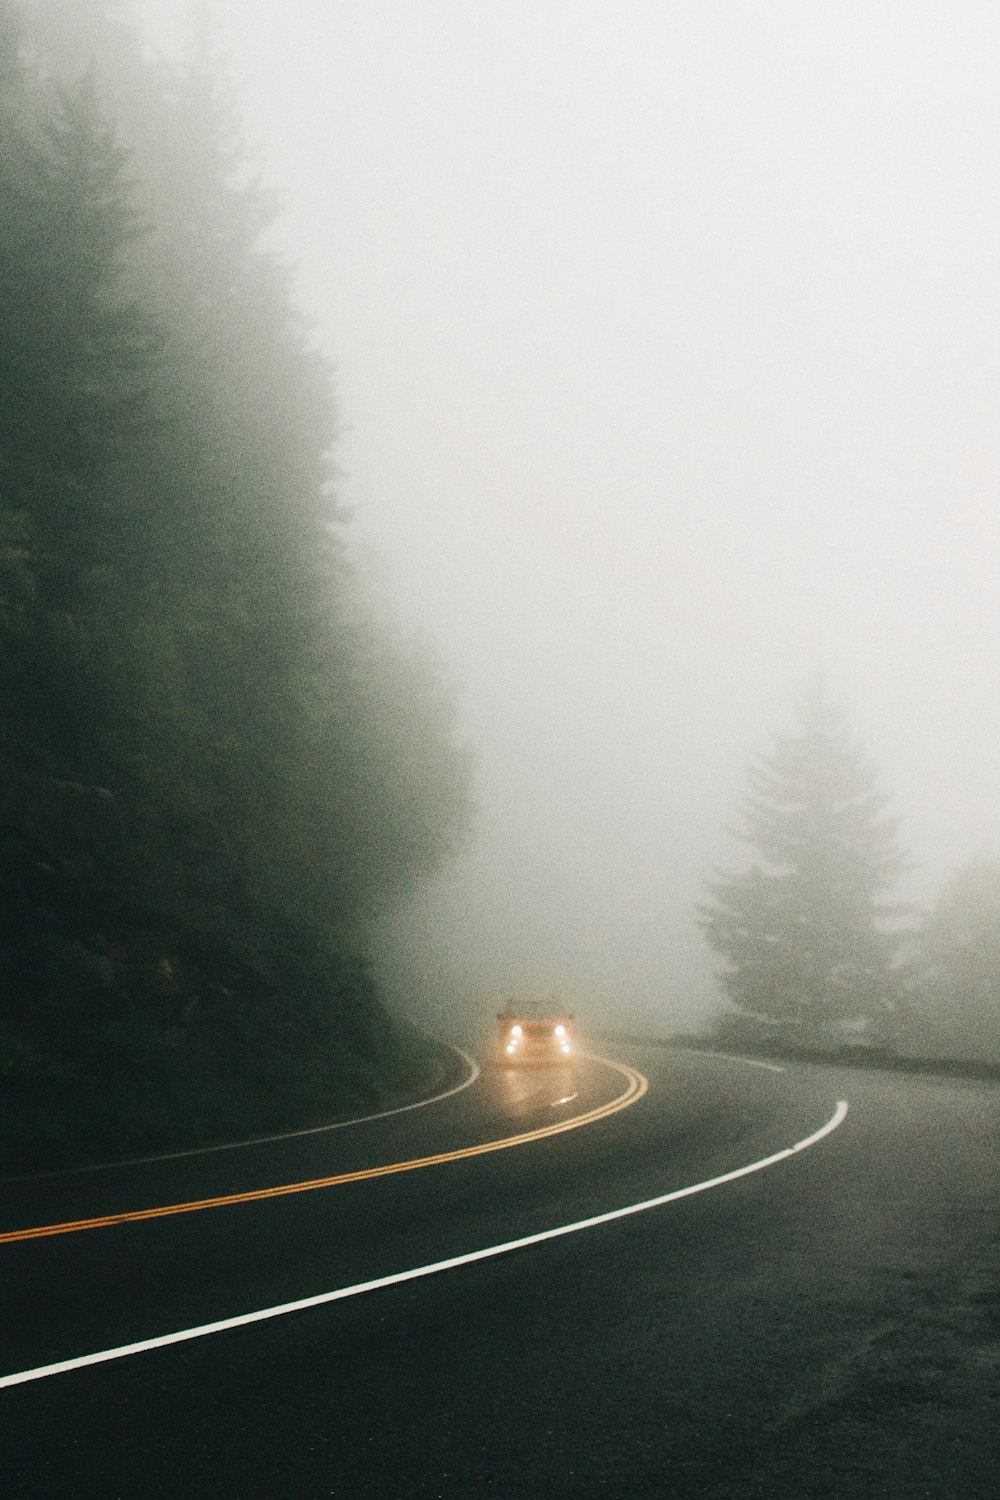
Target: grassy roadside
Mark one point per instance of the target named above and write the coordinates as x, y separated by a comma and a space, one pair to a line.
768, 1049
133, 1022
88, 1116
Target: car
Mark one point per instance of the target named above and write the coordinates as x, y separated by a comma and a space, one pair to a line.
534, 1031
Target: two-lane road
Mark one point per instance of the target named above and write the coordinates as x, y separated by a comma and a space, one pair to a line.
827, 1325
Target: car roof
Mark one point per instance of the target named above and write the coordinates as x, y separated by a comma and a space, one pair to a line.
534, 1011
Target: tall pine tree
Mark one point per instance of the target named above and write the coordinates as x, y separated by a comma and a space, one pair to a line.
76, 359
954, 970
806, 940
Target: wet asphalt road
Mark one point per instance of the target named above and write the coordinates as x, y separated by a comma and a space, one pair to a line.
828, 1327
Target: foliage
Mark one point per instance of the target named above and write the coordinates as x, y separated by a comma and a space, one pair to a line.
954, 970
802, 931
180, 623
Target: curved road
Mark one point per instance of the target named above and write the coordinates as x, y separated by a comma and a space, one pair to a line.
827, 1325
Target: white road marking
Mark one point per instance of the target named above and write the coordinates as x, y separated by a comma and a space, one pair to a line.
637, 1086
288, 1135
751, 1062
224, 1324
566, 1099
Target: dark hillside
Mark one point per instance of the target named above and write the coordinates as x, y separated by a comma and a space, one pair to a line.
216, 763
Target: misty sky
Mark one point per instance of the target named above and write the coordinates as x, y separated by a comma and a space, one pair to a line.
667, 350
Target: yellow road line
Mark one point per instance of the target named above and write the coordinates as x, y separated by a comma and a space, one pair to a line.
637, 1086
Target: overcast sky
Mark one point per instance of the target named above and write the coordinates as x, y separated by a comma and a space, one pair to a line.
667, 346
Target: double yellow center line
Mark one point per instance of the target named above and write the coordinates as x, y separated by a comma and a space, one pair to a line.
637, 1086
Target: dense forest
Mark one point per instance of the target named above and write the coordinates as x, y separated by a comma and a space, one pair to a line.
219, 761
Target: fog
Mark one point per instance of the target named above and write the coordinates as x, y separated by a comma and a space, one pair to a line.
666, 339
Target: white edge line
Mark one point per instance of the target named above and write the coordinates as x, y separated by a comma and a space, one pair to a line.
751, 1062
264, 1140
266, 1313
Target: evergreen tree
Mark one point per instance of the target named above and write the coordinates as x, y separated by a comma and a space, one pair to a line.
802, 931
954, 999
76, 357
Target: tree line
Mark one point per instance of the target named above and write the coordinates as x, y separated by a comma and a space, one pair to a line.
219, 761
815, 953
